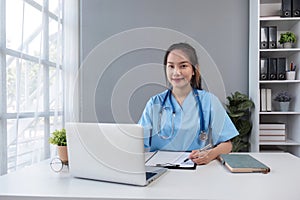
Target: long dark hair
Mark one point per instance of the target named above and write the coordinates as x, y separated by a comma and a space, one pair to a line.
192, 56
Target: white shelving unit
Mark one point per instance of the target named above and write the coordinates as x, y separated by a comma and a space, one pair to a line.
292, 117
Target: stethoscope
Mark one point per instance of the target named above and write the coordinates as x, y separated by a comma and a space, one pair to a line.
203, 136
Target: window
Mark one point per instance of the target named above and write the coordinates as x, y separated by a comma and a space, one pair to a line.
31, 76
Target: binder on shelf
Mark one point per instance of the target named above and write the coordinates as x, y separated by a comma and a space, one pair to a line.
272, 37
263, 100
296, 8
264, 68
270, 9
272, 69
268, 99
281, 68
286, 8
264, 37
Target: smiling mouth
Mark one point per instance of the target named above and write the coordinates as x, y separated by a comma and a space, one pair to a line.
177, 79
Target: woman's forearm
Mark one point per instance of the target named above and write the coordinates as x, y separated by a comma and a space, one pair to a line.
222, 148
209, 155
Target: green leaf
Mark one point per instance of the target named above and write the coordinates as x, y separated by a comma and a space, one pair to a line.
235, 115
239, 108
59, 138
245, 105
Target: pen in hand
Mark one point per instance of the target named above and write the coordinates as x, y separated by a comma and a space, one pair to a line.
202, 149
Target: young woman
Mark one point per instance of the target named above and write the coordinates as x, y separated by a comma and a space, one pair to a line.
185, 117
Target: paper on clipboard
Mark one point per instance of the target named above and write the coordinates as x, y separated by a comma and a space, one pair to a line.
171, 159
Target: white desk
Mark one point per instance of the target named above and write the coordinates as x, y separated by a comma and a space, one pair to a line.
212, 181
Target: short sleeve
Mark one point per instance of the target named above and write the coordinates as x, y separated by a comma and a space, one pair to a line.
220, 123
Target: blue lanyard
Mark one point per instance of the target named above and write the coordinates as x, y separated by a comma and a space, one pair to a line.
200, 111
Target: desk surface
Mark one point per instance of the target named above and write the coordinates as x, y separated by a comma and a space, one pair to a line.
212, 181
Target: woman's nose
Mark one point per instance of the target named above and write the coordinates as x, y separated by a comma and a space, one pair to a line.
177, 70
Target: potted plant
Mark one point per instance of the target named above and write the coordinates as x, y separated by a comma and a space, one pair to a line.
238, 109
287, 39
59, 138
284, 100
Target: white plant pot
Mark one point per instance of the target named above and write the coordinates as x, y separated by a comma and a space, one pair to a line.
284, 106
287, 45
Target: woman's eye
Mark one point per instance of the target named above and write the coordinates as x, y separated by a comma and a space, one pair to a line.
183, 66
170, 66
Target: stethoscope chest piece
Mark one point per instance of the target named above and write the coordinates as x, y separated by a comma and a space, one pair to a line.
203, 136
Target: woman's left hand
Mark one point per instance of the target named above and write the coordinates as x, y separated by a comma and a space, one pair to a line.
201, 157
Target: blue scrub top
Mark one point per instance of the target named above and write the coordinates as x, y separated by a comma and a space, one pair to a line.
186, 122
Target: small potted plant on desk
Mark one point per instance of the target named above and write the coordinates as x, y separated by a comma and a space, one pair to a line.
284, 100
287, 39
59, 138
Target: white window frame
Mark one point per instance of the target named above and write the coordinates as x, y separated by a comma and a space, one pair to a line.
4, 51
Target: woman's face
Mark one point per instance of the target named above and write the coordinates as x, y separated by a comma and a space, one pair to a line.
179, 69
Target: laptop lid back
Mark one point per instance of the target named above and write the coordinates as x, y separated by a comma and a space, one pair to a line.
107, 152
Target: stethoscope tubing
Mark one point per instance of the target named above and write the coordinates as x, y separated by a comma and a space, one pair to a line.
200, 112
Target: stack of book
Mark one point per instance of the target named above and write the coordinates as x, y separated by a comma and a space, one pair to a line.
265, 100
272, 132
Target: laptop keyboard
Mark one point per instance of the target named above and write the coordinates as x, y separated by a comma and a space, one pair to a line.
149, 175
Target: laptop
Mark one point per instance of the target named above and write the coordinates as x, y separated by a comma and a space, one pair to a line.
109, 152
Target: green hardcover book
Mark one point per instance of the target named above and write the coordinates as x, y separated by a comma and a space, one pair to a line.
243, 163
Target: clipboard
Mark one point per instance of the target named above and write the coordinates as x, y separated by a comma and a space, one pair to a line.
243, 163
171, 160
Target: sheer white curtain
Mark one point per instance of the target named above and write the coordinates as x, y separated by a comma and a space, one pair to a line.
34, 82
71, 59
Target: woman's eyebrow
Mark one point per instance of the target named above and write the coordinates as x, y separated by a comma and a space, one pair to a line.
182, 62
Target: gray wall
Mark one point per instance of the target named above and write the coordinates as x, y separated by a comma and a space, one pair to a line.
123, 43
